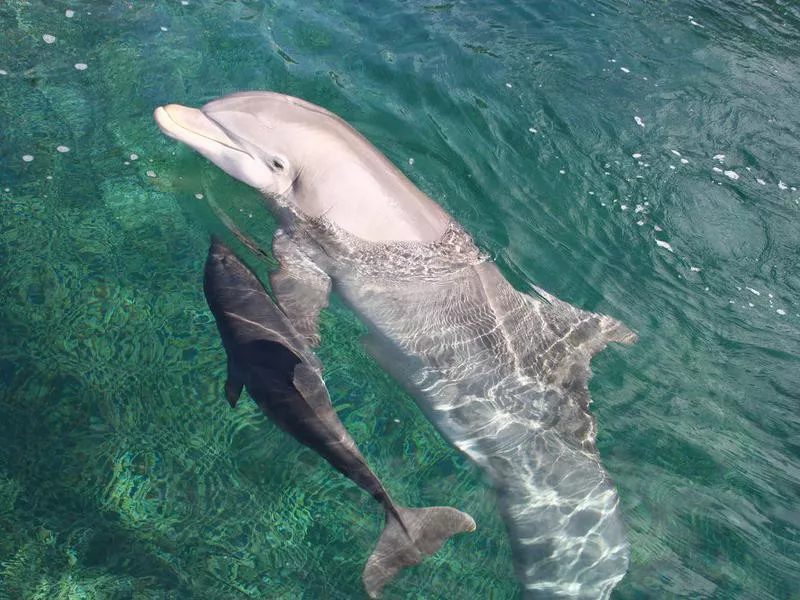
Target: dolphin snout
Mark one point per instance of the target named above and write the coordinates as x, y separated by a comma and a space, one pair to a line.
185, 124
175, 115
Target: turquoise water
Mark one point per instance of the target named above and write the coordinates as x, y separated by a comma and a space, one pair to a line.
636, 159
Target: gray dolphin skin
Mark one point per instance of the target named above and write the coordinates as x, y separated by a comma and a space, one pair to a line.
267, 356
503, 375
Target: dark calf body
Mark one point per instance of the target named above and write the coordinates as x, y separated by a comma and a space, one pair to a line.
268, 357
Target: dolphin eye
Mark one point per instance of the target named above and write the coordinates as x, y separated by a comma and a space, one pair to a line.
277, 164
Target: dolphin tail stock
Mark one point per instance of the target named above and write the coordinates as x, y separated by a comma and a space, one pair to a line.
408, 535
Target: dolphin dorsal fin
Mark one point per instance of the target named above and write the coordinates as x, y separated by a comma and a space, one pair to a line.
308, 381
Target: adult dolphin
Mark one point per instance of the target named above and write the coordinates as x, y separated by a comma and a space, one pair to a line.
272, 360
503, 375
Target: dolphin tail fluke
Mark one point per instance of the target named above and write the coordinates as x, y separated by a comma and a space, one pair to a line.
405, 540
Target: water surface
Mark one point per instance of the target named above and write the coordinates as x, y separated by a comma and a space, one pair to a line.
637, 159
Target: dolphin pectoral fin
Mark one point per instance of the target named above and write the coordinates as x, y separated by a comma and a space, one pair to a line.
233, 391
569, 337
610, 329
300, 287
233, 386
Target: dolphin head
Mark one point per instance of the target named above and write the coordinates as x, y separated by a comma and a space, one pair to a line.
306, 158
225, 275
239, 135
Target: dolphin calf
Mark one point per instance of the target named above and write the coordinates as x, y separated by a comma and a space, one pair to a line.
267, 356
503, 375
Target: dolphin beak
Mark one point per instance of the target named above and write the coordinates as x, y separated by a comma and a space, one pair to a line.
210, 138
194, 128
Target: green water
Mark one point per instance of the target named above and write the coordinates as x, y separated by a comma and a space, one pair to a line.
123, 472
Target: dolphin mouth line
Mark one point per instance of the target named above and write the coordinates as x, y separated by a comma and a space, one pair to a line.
171, 127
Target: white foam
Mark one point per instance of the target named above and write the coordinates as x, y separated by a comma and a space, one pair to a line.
48, 38
657, 228
719, 157
623, 207
639, 208
639, 121
732, 175
694, 269
411, 162
761, 181
27, 157
716, 169
151, 173
134, 157
782, 186
640, 223
756, 292
62, 149
69, 13
81, 66
199, 196
665, 245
